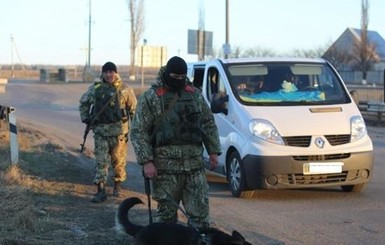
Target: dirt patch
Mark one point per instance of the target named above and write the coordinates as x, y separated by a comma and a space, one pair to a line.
45, 199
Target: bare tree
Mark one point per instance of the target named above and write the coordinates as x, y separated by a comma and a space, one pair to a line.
310, 53
364, 52
339, 56
136, 11
257, 52
236, 52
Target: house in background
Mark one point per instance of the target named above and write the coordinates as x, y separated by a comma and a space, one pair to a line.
345, 47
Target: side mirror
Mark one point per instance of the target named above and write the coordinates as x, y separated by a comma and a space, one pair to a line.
219, 103
354, 95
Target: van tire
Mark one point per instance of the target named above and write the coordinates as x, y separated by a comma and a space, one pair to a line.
236, 174
353, 188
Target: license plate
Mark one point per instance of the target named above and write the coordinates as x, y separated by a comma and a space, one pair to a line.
322, 167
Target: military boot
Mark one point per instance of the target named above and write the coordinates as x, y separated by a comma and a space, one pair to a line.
101, 195
117, 188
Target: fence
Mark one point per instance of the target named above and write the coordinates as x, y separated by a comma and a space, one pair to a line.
369, 98
355, 77
368, 93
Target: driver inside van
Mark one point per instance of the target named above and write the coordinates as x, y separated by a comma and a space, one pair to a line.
252, 86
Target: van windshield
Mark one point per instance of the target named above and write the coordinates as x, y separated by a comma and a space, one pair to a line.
286, 83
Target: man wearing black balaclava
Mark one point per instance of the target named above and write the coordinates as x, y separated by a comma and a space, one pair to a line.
175, 73
170, 127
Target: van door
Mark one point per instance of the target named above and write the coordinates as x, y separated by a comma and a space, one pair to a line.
217, 85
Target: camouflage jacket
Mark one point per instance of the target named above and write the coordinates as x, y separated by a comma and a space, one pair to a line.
172, 157
126, 108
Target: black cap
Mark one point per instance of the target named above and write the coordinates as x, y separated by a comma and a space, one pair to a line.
109, 66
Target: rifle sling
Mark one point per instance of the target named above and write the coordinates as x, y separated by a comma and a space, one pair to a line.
158, 121
103, 108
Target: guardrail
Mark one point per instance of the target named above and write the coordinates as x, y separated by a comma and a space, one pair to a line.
376, 106
369, 98
7, 115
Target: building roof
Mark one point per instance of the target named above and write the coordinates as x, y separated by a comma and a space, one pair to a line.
350, 35
375, 38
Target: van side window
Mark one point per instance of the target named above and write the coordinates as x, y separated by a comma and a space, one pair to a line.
198, 78
212, 81
215, 83
221, 85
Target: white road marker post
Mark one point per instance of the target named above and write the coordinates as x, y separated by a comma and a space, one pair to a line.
7, 113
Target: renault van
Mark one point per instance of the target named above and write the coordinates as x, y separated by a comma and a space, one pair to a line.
285, 123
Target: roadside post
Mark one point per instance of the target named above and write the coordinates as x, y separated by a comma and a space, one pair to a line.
6, 114
3, 82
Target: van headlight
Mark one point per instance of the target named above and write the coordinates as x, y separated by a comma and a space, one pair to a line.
265, 130
357, 128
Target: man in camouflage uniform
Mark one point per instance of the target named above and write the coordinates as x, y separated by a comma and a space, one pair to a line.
171, 124
107, 106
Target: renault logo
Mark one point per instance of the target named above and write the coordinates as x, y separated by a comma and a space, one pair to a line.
319, 142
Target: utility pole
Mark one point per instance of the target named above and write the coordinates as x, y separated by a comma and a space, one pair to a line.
226, 46
88, 74
201, 40
14, 48
12, 64
89, 35
142, 62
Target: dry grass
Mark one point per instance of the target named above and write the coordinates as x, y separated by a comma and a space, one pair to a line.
44, 199
19, 216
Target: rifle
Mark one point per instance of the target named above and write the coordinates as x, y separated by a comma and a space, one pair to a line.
86, 131
147, 188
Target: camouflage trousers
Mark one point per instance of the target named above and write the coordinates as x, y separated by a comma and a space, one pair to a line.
111, 150
190, 189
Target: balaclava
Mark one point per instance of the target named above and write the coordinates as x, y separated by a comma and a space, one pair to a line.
177, 66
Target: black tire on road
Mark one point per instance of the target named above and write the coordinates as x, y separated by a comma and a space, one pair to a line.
236, 174
353, 188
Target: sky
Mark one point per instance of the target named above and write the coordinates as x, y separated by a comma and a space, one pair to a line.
56, 31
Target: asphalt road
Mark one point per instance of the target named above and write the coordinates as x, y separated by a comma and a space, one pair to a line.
317, 216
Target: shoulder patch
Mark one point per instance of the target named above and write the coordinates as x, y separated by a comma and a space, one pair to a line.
189, 89
161, 91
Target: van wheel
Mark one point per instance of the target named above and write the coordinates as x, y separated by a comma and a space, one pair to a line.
235, 174
353, 188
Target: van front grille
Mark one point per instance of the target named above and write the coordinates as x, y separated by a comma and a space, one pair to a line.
304, 141
300, 179
298, 141
338, 139
322, 157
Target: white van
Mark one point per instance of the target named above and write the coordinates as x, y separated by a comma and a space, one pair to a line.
285, 123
